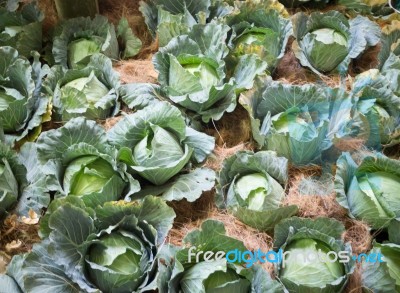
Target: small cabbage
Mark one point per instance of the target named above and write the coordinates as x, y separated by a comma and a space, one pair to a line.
250, 186
326, 48
92, 89
206, 74
369, 190
259, 29
77, 39
379, 103
81, 50
253, 189
219, 281
91, 92
87, 174
21, 27
327, 42
309, 272
22, 108
116, 261
292, 120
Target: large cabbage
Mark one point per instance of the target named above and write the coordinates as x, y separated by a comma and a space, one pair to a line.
110, 249
157, 145
81, 164
192, 71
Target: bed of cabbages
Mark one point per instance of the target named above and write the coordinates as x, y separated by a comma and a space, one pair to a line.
272, 126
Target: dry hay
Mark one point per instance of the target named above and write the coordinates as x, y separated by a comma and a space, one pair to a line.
50, 15
349, 144
191, 211
315, 198
290, 69
216, 159
17, 236
354, 284
136, 71
232, 130
110, 122
358, 235
368, 60
252, 238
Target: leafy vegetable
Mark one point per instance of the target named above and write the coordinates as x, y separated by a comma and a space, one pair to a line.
22, 108
77, 39
81, 164
192, 71
91, 92
304, 237
379, 100
23, 186
109, 249
289, 119
179, 273
12, 179
369, 190
21, 27
389, 55
383, 274
327, 42
168, 19
156, 144
258, 29
251, 186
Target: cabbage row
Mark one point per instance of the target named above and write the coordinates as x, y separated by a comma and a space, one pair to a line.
104, 196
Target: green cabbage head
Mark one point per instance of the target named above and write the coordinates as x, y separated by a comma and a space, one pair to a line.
383, 276
326, 48
369, 190
327, 42
310, 273
310, 249
117, 258
250, 185
87, 174
89, 88
81, 50
91, 92
219, 281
